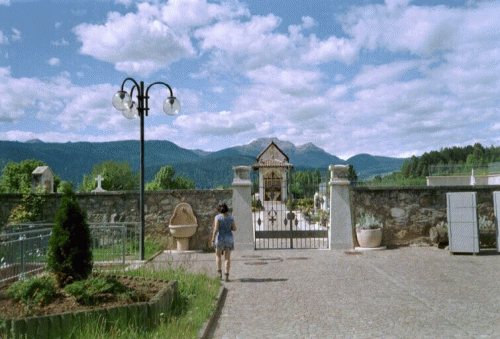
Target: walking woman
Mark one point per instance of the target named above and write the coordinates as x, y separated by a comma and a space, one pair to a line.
223, 239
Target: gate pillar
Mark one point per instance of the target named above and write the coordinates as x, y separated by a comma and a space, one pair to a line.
242, 209
341, 237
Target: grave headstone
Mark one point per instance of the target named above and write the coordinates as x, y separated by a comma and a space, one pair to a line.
99, 188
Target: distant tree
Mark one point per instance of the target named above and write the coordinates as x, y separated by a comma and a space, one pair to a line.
16, 176
64, 185
165, 179
30, 208
351, 174
305, 183
69, 253
118, 176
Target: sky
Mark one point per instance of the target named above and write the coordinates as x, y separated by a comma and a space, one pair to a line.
394, 78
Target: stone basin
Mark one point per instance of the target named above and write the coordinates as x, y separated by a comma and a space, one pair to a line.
182, 233
183, 225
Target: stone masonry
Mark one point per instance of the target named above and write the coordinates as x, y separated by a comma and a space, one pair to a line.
123, 206
408, 213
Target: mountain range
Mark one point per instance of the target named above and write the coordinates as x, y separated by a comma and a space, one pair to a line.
71, 161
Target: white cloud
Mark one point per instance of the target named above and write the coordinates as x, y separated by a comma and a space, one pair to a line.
62, 42
126, 3
217, 124
136, 43
5, 2
57, 25
189, 14
402, 28
247, 45
308, 22
58, 100
4, 40
331, 49
16, 34
54, 62
434, 80
387, 73
295, 81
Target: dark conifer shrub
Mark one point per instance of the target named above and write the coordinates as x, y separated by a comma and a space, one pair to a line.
69, 254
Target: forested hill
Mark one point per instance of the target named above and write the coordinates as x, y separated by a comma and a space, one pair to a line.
207, 169
416, 167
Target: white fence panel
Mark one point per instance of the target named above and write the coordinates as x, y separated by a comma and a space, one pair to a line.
463, 230
496, 205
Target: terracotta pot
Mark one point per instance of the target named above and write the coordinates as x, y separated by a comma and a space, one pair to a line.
369, 238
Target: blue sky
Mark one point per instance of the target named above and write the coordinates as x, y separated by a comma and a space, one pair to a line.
392, 78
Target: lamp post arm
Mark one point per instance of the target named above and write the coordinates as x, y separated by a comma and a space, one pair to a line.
135, 83
160, 83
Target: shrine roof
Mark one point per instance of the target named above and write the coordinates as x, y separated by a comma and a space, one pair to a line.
272, 163
277, 147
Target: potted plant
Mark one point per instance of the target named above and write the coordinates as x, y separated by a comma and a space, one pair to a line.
369, 231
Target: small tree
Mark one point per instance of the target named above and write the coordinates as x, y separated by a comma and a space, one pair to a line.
165, 179
118, 176
69, 254
30, 208
351, 174
16, 176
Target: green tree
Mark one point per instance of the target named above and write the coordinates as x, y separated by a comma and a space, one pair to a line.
118, 176
30, 208
351, 174
165, 179
64, 185
16, 176
69, 254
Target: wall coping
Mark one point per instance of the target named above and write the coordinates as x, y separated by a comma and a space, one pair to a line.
110, 193
427, 188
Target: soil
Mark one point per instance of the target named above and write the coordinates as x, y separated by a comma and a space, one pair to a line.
143, 290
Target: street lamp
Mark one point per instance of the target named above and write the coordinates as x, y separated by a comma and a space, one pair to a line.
122, 101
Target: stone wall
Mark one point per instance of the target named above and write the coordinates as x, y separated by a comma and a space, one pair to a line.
408, 213
124, 206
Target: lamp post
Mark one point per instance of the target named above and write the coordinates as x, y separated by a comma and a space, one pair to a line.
122, 101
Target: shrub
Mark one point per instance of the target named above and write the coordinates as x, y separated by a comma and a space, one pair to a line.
69, 254
30, 208
85, 291
36, 290
256, 205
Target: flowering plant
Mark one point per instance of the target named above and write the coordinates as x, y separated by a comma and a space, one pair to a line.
368, 222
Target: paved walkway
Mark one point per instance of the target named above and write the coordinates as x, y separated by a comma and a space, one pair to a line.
401, 293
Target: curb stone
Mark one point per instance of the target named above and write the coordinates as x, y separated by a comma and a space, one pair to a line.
208, 327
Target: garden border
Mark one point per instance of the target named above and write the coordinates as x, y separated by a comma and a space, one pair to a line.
61, 325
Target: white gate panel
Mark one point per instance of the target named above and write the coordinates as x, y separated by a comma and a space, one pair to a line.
496, 205
463, 230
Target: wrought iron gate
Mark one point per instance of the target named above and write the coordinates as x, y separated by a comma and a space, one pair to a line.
285, 218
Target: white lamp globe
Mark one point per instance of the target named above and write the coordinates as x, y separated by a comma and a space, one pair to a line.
132, 112
122, 100
171, 106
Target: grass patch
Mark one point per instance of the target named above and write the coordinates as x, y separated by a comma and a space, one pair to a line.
194, 305
115, 252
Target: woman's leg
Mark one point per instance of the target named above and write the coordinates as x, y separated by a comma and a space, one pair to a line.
227, 257
218, 261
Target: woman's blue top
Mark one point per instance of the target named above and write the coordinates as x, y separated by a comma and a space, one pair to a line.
224, 240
